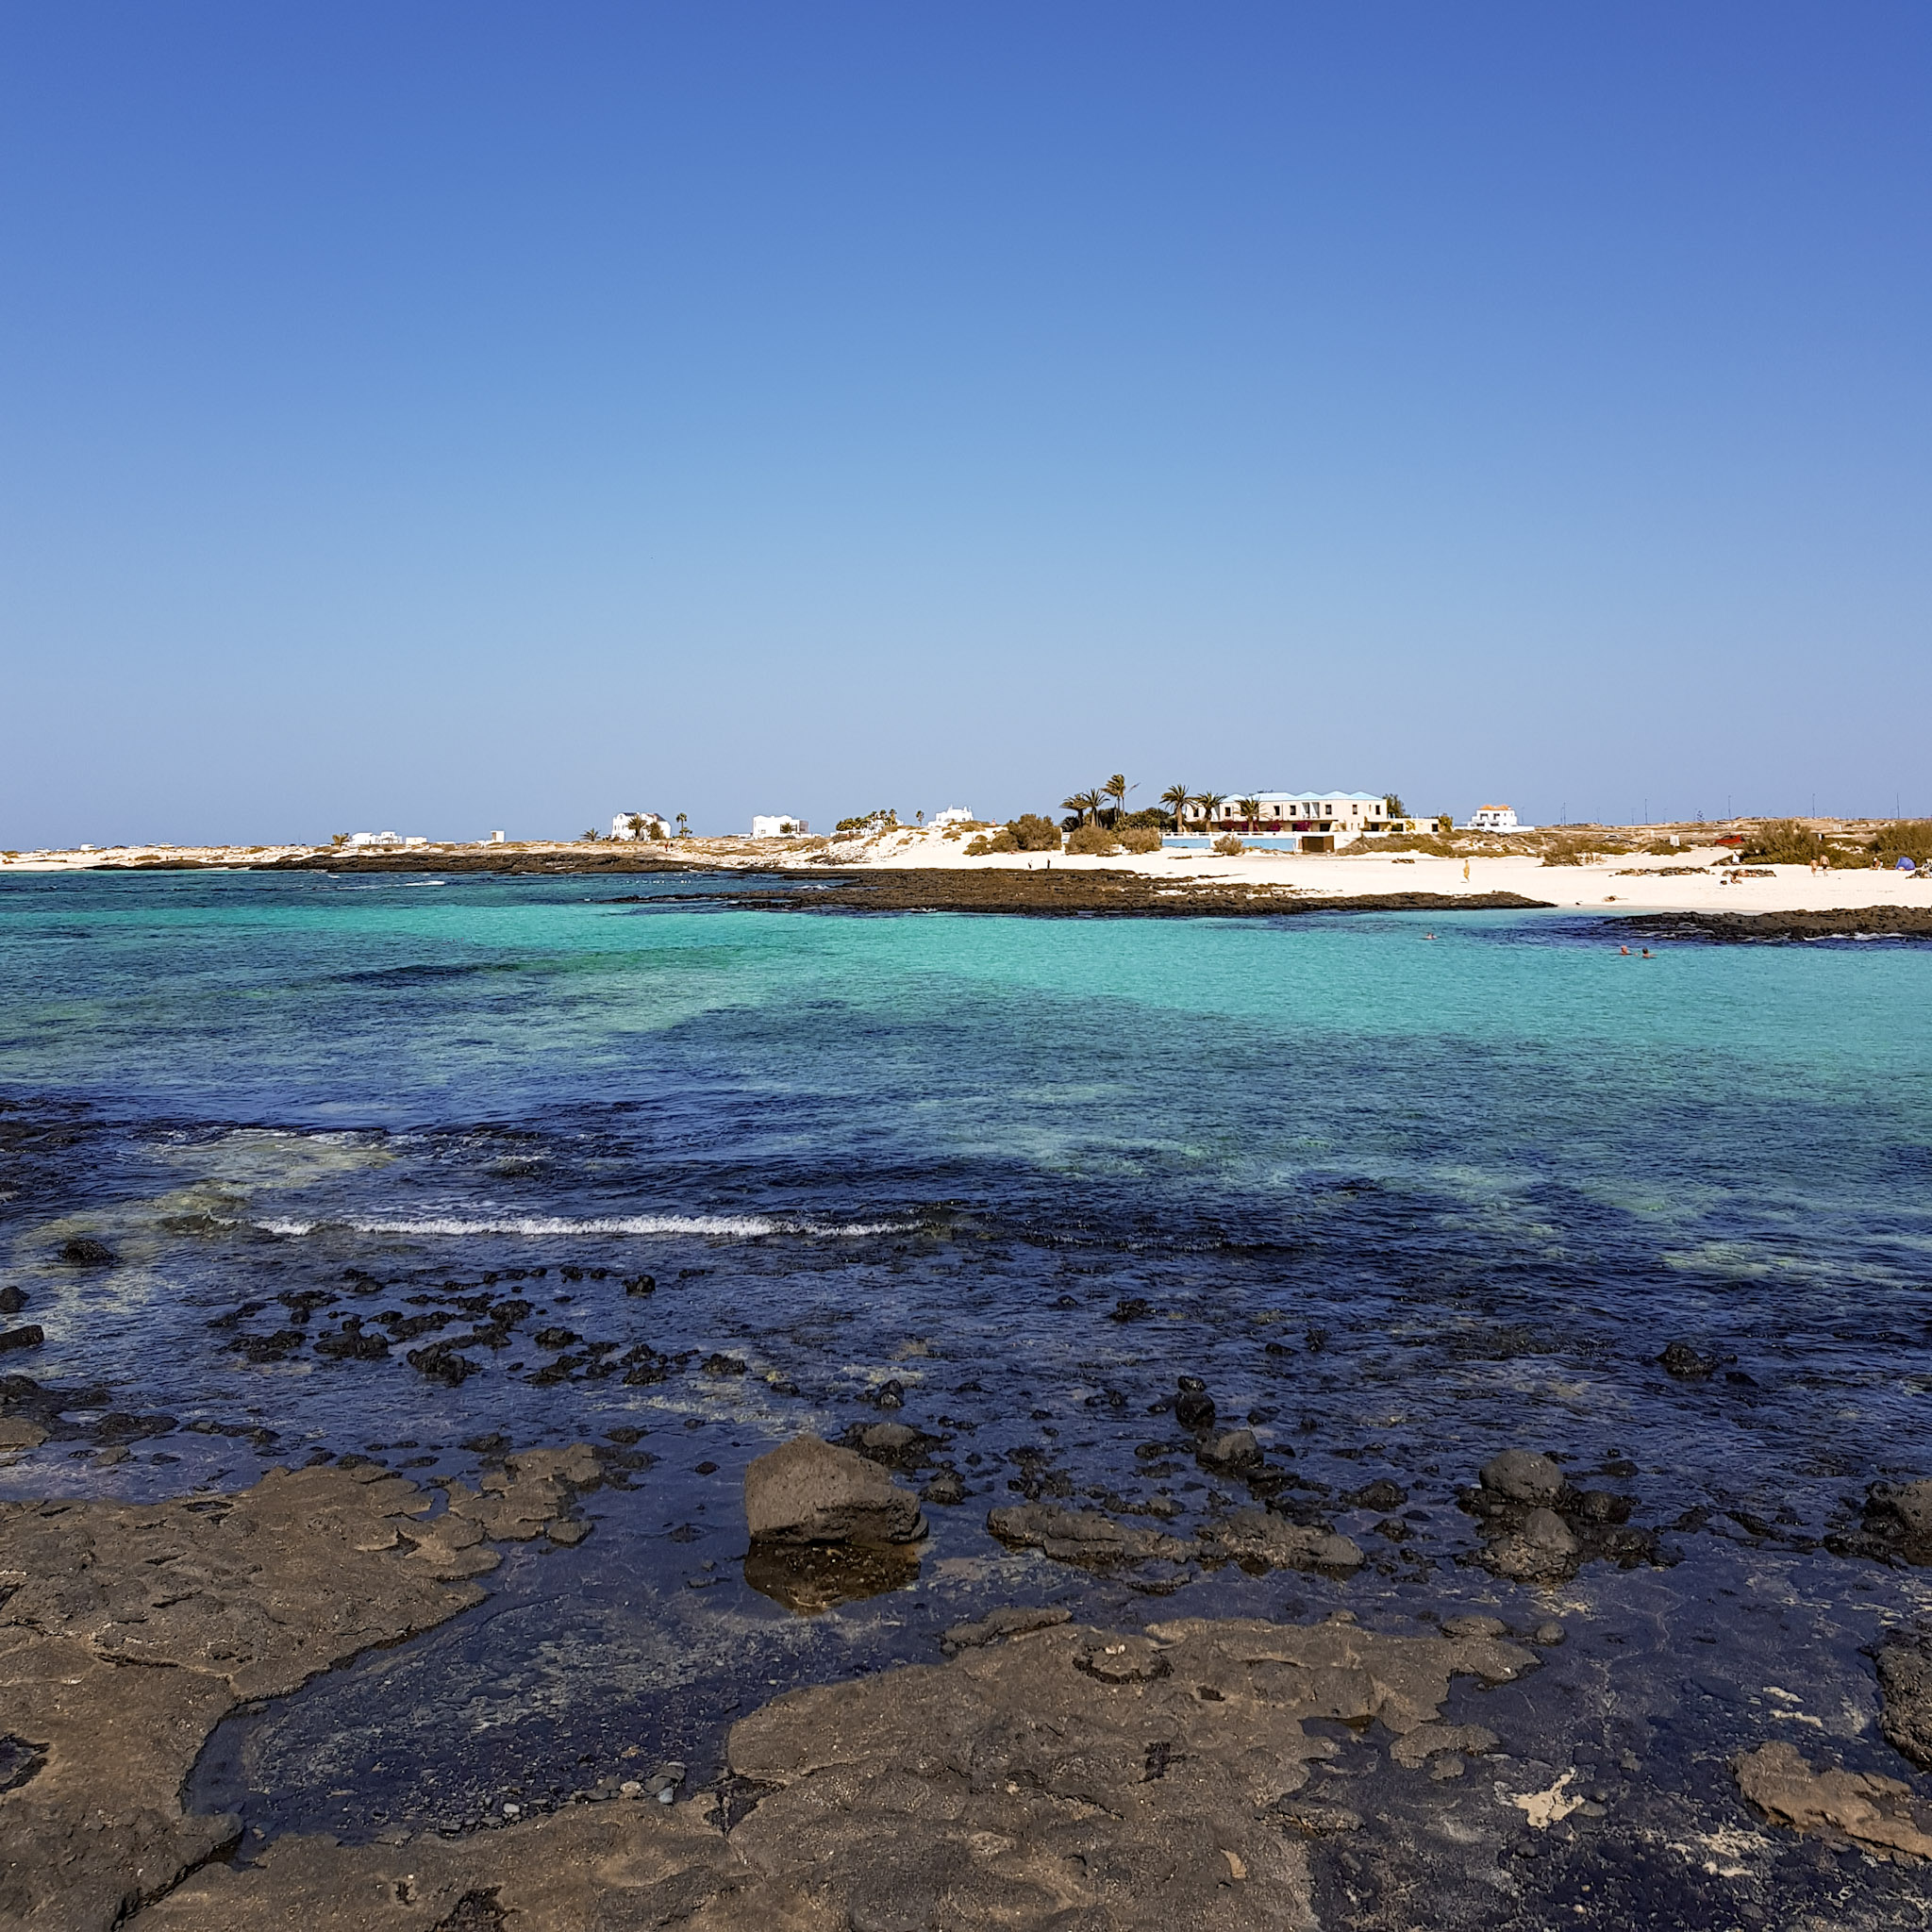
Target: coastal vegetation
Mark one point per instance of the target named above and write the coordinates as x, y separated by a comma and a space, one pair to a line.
1792, 841
1030, 832
1092, 842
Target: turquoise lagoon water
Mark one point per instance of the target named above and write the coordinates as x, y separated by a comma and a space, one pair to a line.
1403, 1190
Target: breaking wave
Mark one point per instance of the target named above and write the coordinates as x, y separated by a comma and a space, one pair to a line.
742, 1226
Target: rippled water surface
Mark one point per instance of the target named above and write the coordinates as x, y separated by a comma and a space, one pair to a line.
1403, 1190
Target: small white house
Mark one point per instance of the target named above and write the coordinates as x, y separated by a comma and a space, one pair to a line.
953, 815
773, 826
366, 839
639, 824
1495, 818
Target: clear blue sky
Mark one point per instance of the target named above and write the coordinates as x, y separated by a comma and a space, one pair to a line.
450, 416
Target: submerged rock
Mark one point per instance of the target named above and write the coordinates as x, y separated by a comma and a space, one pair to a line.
84, 1250
810, 1578
1878, 1813
808, 1492
1682, 1360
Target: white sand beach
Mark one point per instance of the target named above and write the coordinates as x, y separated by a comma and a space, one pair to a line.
1697, 878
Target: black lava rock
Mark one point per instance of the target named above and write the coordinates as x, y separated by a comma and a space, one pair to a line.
12, 1300
1380, 1494
29, 1335
1193, 1407
891, 1395
83, 1251
1680, 1360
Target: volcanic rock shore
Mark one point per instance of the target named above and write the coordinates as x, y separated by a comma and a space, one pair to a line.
1068, 894
1065, 1776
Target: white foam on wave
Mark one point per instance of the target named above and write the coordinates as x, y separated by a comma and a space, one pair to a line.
741, 1226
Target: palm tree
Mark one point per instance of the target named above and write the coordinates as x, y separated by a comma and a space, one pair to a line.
1210, 803
680, 824
1086, 804
1177, 798
1117, 788
1249, 809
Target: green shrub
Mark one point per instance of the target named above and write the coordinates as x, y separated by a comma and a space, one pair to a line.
1001, 840
1141, 838
1092, 842
869, 821
1148, 820
1229, 846
1783, 841
1908, 838
1030, 832
1561, 851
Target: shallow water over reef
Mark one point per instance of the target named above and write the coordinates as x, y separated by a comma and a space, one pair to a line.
1400, 1189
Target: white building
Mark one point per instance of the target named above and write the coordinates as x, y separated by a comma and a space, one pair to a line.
953, 815
1299, 815
639, 825
775, 827
1495, 818
366, 839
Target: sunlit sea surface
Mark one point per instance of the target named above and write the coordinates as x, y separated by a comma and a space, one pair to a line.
1467, 1173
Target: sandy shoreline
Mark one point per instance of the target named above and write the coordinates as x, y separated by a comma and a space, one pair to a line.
1698, 880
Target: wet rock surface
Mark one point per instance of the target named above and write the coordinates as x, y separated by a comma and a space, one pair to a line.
1536, 1528
128, 1631
1895, 1527
1045, 892
1064, 1775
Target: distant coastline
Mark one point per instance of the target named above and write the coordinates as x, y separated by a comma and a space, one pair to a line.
1695, 890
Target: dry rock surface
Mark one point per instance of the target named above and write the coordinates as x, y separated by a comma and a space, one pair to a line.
809, 1491
1064, 1777
128, 1631
1876, 1812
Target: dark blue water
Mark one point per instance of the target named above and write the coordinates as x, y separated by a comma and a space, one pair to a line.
1400, 1200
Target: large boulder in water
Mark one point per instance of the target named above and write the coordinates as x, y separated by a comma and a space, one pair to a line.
807, 1491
